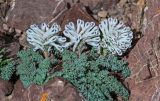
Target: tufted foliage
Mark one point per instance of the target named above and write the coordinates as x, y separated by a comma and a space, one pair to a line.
44, 37
81, 33
117, 38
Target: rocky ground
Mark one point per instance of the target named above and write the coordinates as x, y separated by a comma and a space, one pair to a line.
144, 58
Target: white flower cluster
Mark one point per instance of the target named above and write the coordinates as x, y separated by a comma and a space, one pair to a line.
82, 33
116, 37
44, 37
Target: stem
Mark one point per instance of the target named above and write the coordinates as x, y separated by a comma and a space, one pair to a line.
46, 54
79, 49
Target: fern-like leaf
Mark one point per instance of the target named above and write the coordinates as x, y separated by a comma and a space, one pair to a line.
7, 71
90, 74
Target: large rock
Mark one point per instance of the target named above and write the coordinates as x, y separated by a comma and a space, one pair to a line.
144, 58
23, 13
60, 90
6, 88
57, 90
18, 92
78, 11
146, 91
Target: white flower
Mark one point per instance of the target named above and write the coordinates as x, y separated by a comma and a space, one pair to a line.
82, 33
44, 37
117, 38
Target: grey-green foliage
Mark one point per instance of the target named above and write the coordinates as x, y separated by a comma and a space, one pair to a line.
7, 71
30, 66
33, 68
6, 66
90, 73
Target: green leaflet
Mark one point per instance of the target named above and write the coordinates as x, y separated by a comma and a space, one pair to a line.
7, 71
6, 66
33, 68
90, 73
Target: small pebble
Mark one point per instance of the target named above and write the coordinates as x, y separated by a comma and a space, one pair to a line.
18, 31
102, 14
11, 30
5, 27
95, 17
